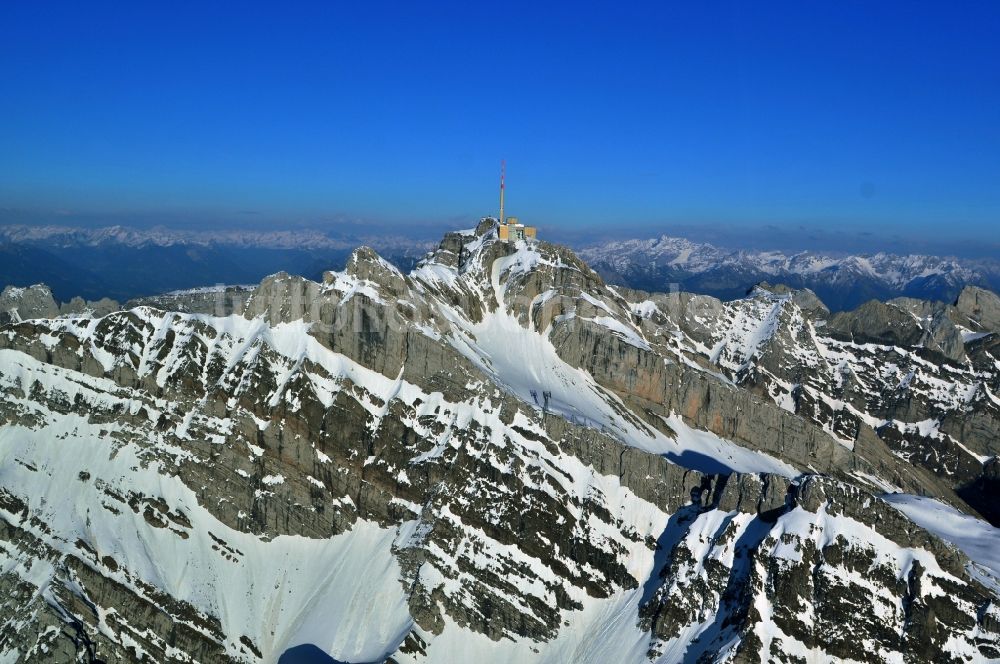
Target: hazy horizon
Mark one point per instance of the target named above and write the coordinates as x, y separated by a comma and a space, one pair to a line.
759, 237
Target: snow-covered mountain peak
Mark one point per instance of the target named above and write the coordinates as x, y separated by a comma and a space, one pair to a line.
842, 280
495, 457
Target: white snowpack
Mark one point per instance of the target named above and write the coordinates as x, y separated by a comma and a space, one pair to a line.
974, 537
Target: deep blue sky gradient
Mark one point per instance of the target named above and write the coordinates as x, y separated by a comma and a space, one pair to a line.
856, 116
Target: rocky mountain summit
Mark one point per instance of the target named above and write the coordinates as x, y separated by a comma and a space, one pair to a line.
497, 457
17, 304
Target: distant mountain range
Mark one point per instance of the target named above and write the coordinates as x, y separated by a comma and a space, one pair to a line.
842, 281
136, 238
124, 263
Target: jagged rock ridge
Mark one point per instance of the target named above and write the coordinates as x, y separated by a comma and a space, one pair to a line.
494, 457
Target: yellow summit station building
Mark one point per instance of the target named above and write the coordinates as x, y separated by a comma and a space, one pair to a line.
510, 230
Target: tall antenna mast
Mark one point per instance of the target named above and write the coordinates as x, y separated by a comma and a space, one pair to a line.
501, 190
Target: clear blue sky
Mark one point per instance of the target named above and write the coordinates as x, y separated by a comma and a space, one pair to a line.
854, 115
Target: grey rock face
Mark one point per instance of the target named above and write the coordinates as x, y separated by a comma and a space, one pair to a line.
938, 322
24, 303
78, 307
980, 305
17, 304
876, 322
213, 301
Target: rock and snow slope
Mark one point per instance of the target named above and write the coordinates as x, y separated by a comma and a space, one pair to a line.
922, 377
371, 465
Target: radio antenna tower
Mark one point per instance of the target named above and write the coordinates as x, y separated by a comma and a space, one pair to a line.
501, 190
